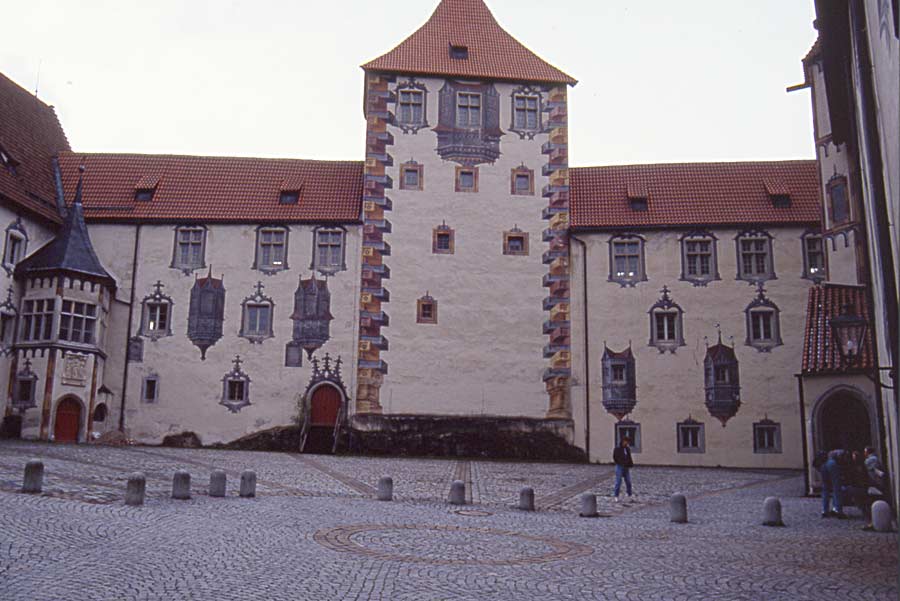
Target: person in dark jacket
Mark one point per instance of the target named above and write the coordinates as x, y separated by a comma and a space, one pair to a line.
624, 463
831, 485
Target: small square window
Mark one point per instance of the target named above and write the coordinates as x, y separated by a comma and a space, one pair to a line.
619, 373
766, 437
630, 430
426, 310
143, 195
411, 176
236, 390
150, 392
691, 437
515, 242
467, 179
443, 240
289, 197
459, 52
522, 182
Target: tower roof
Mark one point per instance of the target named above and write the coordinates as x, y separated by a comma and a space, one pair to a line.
490, 52
71, 250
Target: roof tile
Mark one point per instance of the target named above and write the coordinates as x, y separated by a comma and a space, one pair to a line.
820, 354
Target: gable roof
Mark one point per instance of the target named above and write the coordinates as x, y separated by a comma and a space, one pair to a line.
70, 250
695, 194
215, 189
492, 52
820, 354
31, 135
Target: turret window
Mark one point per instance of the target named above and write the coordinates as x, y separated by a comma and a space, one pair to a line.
37, 320
77, 322
839, 202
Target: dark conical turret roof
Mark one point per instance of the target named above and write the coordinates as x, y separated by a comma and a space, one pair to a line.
71, 250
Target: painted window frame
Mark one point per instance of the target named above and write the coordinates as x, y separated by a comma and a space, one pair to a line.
437, 233
411, 125
412, 167
523, 128
775, 427
329, 268
271, 267
693, 424
839, 181
761, 304
15, 232
145, 398
156, 298
514, 178
460, 171
699, 279
258, 300
515, 233
822, 271
423, 302
189, 266
622, 278
755, 235
234, 405
666, 306
634, 427
469, 123
25, 374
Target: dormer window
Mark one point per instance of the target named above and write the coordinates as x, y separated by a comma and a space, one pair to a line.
459, 52
145, 188
289, 197
143, 195
778, 194
637, 196
8, 162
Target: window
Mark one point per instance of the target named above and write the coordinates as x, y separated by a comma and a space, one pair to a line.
288, 197
698, 258
157, 319
467, 179
411, 176
150, 389
189, 248
690, 434
7, 329
468, 110
666, 323
813, 257
630, 430
763, 328
257, 320
522, 181
766, 437
754, 253
526, 113
839, 201
618, 374
235, 388
15, 248
722, 381
426, 310
77, 322
143, 195
271, 249
411, 107
626, 260
442, 240
459, 52
619, 389
329, 251
24, 387
37, 320
515, 242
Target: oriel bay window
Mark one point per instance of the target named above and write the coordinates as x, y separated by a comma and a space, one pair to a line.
37, 319
468, 110
77, 322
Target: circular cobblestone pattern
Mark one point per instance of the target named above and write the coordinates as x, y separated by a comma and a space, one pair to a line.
447, 545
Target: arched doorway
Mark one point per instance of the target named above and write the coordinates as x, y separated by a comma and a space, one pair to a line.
324, 411
843, 422
67, 424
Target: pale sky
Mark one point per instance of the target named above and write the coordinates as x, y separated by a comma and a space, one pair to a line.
659, 81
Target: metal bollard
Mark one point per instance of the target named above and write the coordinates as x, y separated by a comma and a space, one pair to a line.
458, 493
526, 499
33, 482
248, 483
588, 506
136, 489
181, 485
678, 509
772, 512
385, 489
217, 481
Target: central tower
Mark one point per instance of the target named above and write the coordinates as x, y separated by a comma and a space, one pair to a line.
465, 236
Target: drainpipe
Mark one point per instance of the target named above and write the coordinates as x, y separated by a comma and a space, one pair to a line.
134, 264
803, 434
587, 353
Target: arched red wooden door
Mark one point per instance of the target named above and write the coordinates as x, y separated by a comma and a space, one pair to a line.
68, 421
325, 406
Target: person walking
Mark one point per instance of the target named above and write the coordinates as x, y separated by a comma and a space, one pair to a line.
624, 463
831, 485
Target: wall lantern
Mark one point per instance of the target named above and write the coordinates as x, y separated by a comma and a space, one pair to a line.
849, 332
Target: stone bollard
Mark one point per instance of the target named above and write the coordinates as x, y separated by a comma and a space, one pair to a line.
678, 509
385, 489
588, 505
217, 480
34, 476
458, 493
135, 489
181, 485
248, 483
526, 499
881, 516
772, 512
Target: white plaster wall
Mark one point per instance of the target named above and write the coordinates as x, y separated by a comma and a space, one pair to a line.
670, 388
485, 354
191, 389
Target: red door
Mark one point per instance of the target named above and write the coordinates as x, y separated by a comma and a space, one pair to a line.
325, 405
68, 421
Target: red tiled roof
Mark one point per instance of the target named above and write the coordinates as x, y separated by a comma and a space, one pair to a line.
192, 188
493, 53
814, 51
31, 135
680, 194
820, 354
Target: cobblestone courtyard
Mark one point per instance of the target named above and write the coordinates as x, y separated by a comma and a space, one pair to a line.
315, 532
